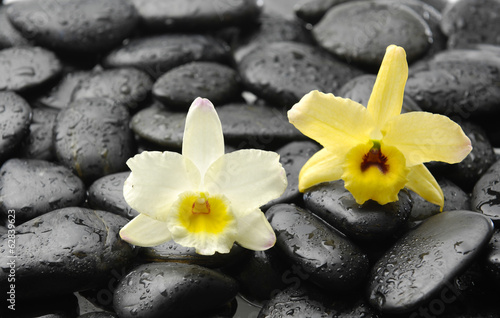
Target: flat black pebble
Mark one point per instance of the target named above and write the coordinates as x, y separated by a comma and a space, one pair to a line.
361, 31
180, 86
173, 290
39, 144
200, 15
9, 36
92, 138
370, 221
64, 251
426, 259
282, 72
33, 187
27, 67
486, 193
160, 53
325, 257
83, 26
15, 118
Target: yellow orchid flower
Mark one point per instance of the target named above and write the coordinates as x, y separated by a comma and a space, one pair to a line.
376, 150
203, 198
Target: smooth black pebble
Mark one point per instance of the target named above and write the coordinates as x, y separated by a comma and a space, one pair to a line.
15, 119
486, 193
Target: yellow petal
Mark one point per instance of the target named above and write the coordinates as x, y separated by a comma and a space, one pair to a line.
424, 137
421, 181
323, 166
203, 141
386, 99
145, 231
367, 182
255, 232
336, 123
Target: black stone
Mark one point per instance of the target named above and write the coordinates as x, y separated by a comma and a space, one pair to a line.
173, 290
92, 138
199, 15
61, 94
486, 193
98, 315
82, 26
311, 11
180, 86
281, 73
158, 54
15, 118
9, 36
64, 251
32, 187
24, 68
39, 144
426, 259
360, 31
492, 262
324, 256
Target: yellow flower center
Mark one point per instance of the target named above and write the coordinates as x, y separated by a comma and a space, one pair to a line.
375, 158
199, 212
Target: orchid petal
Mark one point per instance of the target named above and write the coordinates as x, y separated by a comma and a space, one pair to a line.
421, 181
203, 141
323, 166
145, 231
255, 232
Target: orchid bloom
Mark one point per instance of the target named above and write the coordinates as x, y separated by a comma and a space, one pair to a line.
376, 150
203, 198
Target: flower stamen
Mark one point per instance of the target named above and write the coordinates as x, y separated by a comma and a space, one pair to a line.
376, 158
200, 206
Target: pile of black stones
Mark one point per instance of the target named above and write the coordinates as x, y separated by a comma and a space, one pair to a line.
86, 84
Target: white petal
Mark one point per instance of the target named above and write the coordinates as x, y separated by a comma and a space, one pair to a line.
203, 141
255, 232
145, 231
156, 180
248, 178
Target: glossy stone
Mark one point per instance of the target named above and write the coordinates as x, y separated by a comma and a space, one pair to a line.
486, 193
172, 289
39, 144
9, 36
370, 221
361, 31
426, 259
312, 11
15, 118
158, 54
92, 138
492, 263
24, 68
82, 26
325, 257
281, 73
65, 251
33, 187
179, 87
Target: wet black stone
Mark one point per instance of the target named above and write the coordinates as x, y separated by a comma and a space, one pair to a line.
361, 31
426, 259
39, 144
158, 54
98, 315
476, 21
172, 289
64, 251
324, 256
199, 15
492, 262
61, 95
311, 11
370, 221
92, 138
33, 187
293, 156
9, 36
180, 86
15, 118
281, 73
82, 26
27, 67
454, 199
486, 193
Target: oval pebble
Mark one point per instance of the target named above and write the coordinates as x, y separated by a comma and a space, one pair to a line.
9, 36
92, 138
158, 54
106, 193
200, 15
333, 203
486, 193
281, 73
24, 68
311, 11
325, 257
173, 290
360, 31
15, 118
33, 187
39, 144
426, 259
82, 26
180, 86
64, 251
